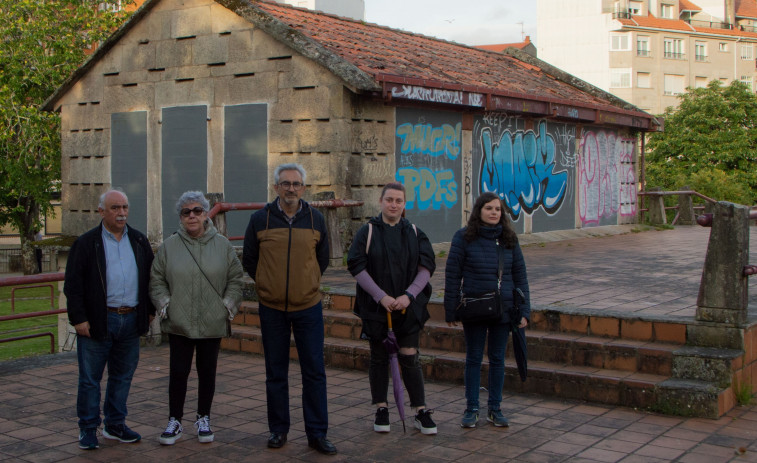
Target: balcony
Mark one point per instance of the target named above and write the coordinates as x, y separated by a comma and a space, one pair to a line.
640, 52
709, 24
671, 55
621, 15
700, 58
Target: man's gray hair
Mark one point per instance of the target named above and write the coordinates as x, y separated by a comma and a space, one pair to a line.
192, 197
101, 204
290, 166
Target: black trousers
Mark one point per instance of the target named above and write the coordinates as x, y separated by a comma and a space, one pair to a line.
412, 374
182, 350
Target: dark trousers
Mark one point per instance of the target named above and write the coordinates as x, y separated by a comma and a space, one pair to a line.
412, 374
182, 350
277, 328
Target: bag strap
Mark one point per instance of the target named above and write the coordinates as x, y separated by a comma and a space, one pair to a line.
201, 270
500, 269
370, 233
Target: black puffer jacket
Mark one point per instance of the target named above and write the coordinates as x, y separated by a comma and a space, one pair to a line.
476, 264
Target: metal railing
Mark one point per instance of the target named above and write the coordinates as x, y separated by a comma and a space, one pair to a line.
32, 280
10, 260
709, 24
674, 55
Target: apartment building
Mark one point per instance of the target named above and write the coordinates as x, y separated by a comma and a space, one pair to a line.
649, 51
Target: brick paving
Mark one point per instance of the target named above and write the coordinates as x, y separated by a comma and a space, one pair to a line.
38, 423
656, 275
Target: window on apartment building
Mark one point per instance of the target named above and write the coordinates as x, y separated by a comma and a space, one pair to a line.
666, 11
113, 6
747, 52
620, 78
643, 80
674, 48
674, 84
700, 51
700, 82
722, 46
620, 42
747, 80
642, 45
634, 8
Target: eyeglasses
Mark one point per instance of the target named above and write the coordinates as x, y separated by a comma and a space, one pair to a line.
288, 185
186, 212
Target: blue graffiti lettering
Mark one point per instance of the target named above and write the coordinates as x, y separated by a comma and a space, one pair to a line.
520, 168
425, 188
430, 140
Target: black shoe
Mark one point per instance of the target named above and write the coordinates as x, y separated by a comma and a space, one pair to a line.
381, 424
322, 445
277, 440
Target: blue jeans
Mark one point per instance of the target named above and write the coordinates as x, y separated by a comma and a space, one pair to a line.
276, 327
475, 337
120, 350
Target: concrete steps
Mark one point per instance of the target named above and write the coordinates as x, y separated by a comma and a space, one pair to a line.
635, 363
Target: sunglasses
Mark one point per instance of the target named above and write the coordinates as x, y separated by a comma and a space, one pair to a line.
186, 211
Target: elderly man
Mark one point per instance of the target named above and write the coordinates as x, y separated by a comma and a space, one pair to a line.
106, 285
286, 250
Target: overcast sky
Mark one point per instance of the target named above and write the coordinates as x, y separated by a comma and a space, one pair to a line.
471, 22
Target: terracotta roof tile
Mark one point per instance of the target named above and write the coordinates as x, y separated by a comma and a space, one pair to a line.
379, 50
746, 8
686, 5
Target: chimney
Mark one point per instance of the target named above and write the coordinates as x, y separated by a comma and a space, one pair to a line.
730, 12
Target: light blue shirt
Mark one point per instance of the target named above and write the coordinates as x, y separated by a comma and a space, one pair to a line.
122, 279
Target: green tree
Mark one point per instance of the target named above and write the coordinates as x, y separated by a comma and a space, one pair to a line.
41, 43
709, 144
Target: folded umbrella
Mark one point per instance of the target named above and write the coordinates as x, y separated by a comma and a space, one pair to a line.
520, 350
392, 348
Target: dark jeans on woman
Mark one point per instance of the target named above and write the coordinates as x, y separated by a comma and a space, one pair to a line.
475, 338
412, 374
182, 350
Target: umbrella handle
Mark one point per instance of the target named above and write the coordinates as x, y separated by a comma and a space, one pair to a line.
389, 320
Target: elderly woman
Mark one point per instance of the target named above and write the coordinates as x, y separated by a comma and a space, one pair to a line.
196, 284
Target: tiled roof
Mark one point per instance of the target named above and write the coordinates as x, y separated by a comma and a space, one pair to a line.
500, 47
653, 22
686, 5
746, 8
379, 50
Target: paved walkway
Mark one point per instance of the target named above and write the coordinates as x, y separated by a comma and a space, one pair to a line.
38, 423
651, 274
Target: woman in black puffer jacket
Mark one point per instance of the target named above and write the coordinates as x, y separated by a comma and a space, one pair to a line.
473, 261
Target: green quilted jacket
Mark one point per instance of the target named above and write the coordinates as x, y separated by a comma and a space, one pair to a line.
194, 308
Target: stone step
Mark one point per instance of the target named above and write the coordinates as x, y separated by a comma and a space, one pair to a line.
607, 386
562, 348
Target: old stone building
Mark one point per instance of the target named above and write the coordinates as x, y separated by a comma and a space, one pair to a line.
212, 94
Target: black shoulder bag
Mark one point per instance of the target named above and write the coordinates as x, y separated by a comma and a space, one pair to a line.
486, 307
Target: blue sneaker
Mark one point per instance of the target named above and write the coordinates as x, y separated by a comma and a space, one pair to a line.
88, 439
121, 433
496, 418
470, 418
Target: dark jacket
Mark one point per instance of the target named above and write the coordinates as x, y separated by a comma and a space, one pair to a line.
417, 252
476, 263
84, 287
286, 261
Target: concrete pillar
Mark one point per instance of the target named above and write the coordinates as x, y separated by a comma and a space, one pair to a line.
336, 248
685, 209
657, 209
723, 291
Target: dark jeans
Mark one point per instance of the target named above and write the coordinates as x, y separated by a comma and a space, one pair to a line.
182, 349
475, 337
412, 374
276, 327
120, 350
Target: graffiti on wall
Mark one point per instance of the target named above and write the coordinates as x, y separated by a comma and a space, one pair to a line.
428, 159
521, 166
428, 188
606, 177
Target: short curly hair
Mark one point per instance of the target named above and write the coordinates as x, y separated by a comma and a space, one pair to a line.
192, 197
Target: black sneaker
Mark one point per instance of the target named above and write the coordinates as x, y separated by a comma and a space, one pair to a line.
204, 433
121, 433
88, 439
424, 423
382, 420
172, 432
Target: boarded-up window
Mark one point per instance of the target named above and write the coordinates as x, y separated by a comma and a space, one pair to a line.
128, 164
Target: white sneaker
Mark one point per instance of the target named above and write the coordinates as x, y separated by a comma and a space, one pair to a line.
172, 432
204, 433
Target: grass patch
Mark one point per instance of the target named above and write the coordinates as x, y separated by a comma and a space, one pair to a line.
27, 300
743, 392
442, 253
